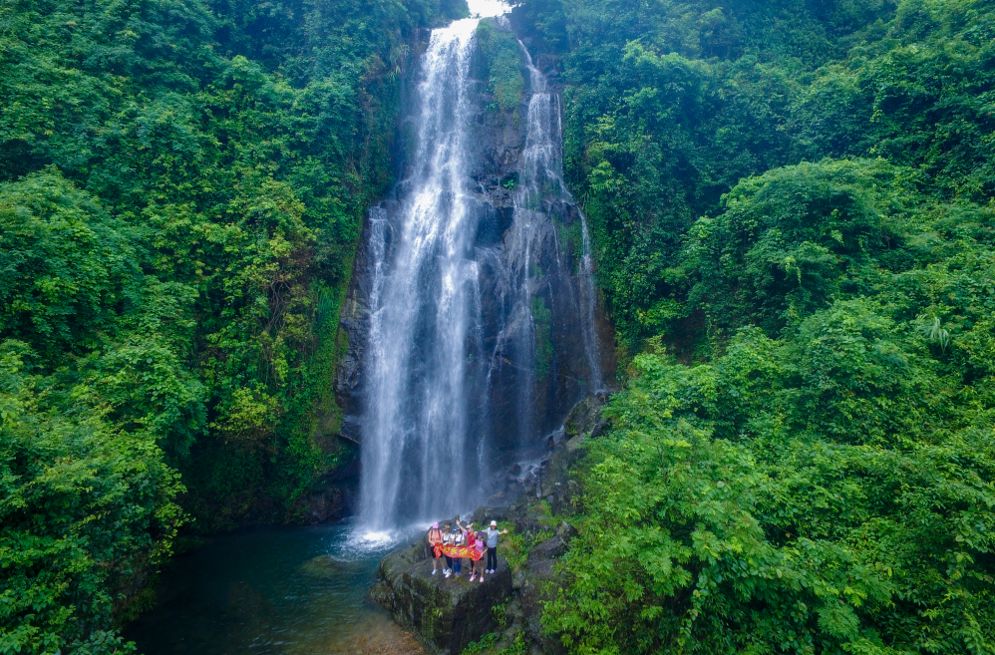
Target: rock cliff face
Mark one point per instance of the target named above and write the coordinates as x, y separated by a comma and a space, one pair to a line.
556, 493
558, 371
446, 613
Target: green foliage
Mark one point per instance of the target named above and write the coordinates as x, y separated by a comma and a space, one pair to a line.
182, 187
795, 199
543, 320
65, 266
87, 509
501, 60
491, 644
726, 515
485, 644
792, 240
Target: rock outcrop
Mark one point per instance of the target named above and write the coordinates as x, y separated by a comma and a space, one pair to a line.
555, 492
449, 614
446, 613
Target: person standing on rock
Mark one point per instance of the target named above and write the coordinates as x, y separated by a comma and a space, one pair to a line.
492, 542
481, 549
435, 545
457, 536
471, 542
447, 540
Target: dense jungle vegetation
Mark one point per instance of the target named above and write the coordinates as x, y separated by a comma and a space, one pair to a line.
182, 185
793, 211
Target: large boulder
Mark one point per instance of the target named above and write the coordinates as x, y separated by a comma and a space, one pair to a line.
447, 614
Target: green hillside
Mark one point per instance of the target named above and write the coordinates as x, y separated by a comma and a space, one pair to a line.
795, 233
182, 186
792, 205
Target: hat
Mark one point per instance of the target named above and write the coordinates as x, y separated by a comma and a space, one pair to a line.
493, 524
435, 526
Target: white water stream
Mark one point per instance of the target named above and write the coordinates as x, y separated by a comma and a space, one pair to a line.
434, 353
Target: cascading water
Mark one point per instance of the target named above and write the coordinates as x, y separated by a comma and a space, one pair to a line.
542, 173
419, 371
470, 354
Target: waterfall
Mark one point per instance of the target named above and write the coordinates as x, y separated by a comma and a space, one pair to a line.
468, 335
542, 173
589, 307
419, 373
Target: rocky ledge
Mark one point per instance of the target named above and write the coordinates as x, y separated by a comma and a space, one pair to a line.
446, 613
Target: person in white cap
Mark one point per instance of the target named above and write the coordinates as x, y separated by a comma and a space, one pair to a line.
492, 542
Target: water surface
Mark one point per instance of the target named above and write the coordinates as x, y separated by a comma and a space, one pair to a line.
275, 592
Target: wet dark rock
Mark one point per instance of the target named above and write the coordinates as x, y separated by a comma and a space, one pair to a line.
354, 324
586, 418
447, 614
537, 586
333, 496
327, 505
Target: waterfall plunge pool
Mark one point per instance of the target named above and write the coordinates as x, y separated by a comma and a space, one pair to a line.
294, 591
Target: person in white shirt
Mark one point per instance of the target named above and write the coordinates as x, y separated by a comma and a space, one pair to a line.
492, 542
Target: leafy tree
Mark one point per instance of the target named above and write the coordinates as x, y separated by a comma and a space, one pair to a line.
786, 535
792, 240
67, 267
87, 509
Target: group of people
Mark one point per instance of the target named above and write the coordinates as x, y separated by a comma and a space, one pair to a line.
456, 542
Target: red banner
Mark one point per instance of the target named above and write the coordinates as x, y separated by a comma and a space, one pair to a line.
459, 552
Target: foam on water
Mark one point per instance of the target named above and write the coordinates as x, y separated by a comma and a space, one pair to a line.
363, 542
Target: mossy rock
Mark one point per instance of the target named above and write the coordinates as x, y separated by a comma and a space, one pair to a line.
447, 614
501, 65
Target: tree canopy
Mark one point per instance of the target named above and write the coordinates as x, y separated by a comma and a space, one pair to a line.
793, 213
182, 187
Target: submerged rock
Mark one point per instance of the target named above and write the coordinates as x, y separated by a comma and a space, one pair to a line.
449, 613
324, 566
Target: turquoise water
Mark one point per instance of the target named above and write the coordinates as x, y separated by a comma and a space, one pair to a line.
275, 592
